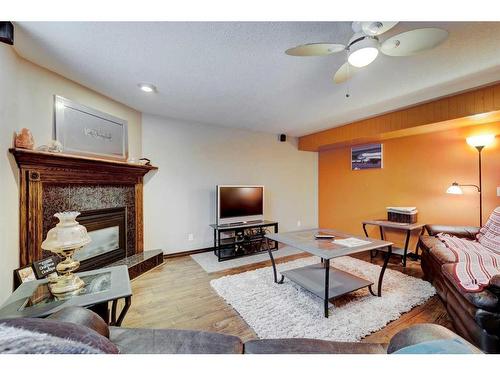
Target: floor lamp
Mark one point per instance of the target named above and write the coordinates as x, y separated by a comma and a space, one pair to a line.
479, 142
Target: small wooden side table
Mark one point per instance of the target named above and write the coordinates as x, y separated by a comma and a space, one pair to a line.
408, 228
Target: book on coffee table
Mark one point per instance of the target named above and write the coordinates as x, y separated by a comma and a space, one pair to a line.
351, 242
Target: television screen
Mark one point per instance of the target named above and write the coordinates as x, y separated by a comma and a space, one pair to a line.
238, 201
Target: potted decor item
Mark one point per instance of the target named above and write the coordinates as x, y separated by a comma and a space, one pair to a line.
24, 139
64, 239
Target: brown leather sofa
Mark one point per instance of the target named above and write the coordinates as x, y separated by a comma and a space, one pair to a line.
476, 316
84, 326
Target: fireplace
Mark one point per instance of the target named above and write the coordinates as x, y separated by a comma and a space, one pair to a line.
108, 230
107, 193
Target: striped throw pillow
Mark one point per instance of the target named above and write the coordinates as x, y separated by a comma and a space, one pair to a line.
489, 234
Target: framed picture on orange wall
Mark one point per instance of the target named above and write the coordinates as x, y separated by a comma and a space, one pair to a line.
366, 157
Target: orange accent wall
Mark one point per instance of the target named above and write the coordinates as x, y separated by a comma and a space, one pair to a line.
416, 172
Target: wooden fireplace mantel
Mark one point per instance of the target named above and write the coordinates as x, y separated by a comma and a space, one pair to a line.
39, 168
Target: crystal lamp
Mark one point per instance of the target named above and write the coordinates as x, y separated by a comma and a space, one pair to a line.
64, 239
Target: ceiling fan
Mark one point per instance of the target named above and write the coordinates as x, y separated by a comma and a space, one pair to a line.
365, 45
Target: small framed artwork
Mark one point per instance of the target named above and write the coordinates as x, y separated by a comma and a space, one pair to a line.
86, 131
24, 274
366, 157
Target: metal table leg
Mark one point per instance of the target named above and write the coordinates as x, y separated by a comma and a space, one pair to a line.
118, 322
415, 255
274, 264
215, 241
407, 241
417, 246
373, 253
327, 285
364, 230
381, 276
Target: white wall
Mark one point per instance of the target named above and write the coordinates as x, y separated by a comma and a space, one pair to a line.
192, 158
26, 100
9, 207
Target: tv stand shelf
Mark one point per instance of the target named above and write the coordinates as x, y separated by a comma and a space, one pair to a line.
242, 239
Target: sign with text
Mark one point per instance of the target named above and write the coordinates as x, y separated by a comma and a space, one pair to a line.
45, 266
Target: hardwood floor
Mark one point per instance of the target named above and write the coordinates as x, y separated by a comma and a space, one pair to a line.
177, 294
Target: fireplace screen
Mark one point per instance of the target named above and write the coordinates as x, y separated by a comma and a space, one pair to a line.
103, 241
107, 229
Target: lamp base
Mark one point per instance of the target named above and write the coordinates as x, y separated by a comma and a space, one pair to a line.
66, 286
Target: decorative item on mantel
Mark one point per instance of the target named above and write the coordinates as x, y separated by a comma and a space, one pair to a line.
24, 139
67, 237
141, 161
52, 146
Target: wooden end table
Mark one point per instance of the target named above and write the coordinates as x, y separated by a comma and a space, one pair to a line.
408, 228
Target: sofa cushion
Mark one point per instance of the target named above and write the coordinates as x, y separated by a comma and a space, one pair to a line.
438, 249
82, 317
436, 347
173, 341
475, 265
482, 299
489, 234
420, 333
14, 340
64, 330
310, 346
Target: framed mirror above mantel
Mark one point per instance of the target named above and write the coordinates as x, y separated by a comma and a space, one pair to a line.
52, 182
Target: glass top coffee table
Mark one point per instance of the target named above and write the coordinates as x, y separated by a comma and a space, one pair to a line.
320, 279
32, 299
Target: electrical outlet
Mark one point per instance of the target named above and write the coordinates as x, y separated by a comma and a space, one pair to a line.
190, 237
299, 223
498, 191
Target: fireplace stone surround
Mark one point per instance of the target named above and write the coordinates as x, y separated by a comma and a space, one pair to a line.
54, 182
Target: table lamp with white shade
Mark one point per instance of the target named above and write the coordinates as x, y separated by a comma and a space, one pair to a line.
64, 239
479, 142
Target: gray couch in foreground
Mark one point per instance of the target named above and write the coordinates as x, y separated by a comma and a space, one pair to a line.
84, 326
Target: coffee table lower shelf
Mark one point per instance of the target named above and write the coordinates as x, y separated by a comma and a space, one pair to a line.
312, 278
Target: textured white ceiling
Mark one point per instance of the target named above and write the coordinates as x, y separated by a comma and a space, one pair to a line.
236, 73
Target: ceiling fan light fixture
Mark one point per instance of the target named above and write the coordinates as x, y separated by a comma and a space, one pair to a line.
363, 52
147, 87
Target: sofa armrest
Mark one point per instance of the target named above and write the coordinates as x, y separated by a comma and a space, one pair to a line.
457, 231
494, 286
424, 332
82, 317
495, 282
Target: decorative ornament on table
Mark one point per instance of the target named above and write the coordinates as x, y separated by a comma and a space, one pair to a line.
52, 146
64, 239
24, 139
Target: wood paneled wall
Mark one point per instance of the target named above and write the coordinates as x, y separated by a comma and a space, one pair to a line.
458, 110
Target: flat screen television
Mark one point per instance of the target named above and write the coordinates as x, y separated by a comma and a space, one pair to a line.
239, 203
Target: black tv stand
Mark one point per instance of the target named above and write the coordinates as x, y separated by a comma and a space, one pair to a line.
241, 239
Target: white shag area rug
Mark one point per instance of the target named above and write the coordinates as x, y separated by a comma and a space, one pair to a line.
209, 262
287, 310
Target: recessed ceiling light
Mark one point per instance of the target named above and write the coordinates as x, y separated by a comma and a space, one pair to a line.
147, 87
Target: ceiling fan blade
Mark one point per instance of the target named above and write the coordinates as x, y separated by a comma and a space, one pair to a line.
374, 28
315, 49
413, 41
345, 72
